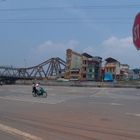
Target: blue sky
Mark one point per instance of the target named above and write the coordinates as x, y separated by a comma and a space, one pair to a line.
32, 31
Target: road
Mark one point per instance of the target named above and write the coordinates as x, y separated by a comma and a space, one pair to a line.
69, 113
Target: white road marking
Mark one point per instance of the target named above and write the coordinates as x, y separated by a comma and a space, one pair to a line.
38, 100
17, 132
133, 114
116, 104
104, 103
23, 100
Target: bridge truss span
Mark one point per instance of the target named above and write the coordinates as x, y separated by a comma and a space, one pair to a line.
54, 67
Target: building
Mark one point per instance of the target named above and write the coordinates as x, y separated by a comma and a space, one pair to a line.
82, 66
124, 72
112, 66
91, 67
134, 74
73, 65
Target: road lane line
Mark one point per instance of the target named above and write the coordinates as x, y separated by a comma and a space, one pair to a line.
39, 101
133, 114
23, 100
17, 132
116, 104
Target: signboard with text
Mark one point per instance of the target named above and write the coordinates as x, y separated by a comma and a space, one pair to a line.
136, 31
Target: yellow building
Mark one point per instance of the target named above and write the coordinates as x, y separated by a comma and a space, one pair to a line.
82, 66
73, 65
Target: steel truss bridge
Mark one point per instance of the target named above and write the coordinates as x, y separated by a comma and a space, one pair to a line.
54, 67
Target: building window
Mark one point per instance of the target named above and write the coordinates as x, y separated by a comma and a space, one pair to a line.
84, 75
90, 70
84, 62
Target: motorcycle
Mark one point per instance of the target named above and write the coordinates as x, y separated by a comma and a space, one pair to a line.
39, 92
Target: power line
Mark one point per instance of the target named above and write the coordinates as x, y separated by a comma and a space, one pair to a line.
61, 22
64, 18
67, 20
87, 7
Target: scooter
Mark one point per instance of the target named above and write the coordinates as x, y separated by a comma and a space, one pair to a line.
39, 92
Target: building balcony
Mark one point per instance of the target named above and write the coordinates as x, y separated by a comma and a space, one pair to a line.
110, 66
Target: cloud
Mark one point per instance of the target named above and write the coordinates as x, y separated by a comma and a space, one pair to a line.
53, 49
116, 47
121, 49
50, 49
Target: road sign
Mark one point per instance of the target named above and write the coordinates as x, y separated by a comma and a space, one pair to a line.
136, 31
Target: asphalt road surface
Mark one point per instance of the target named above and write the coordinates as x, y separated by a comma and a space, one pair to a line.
69, 113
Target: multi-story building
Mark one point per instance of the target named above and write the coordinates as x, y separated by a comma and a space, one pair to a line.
73, 65
116, 69
112, 66
82, 66
134, 74
124, 71
91, 67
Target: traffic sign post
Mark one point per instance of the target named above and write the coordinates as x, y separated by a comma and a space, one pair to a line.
136, 31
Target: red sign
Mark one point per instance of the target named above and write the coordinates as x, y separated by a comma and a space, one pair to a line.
136, 31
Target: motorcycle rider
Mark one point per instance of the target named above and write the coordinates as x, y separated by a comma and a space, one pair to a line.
38, 91
37, 86
34, 90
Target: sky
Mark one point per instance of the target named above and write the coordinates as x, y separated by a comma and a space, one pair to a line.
33, 31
